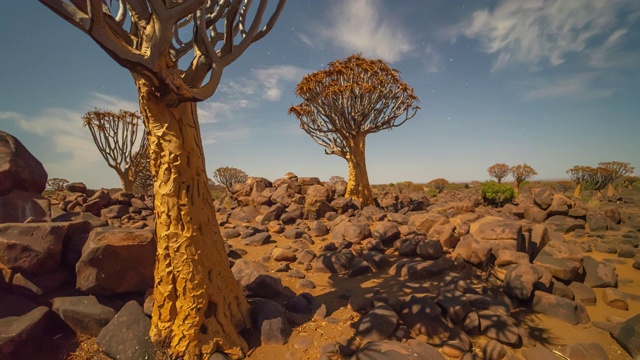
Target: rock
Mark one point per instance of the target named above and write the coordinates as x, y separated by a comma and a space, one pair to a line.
34, 248
584, 351
495, 228
350, 231
272, 214
407, 246
454, 305
499, 327
423, 316
538, 353
117, 261
562, 250
393, 350
114, 212
337, 262
316, 203
538, 240
560, 205
443, 232
423, 222
510, 257
127, 335
255, 279
522, 279
305, 284
19, 169
493, 350
598, 273
627, 334
84, 314
18, 334
542, 197
583, 293
534, 214
36, 284
258, 239
562, 269
377, 324
615, 298
564, 309
429, 249
423, 270
605, 248
473, 250
280, 254
19, 206
386, 232
318, 229
270, 319
76, 187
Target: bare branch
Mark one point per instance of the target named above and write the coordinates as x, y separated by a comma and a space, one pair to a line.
69, 12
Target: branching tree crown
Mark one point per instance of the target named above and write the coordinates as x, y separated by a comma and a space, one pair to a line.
56, 184
344, 103
144, 180
499, 171
227, 176
521, 173
116, 136
438, 184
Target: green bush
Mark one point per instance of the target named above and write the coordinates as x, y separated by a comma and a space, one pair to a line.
497, 194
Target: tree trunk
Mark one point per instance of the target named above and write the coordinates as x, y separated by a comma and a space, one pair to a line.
127, 184
199, 306
611, 191
358, 186
578, 190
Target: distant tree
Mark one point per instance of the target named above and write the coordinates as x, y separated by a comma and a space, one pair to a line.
521, 173
144, 180
499, 171
56, 184
227, 176
580, 175
335, 179
628, 181
347, 101
116, 136
564, 186
615, 170
438, 184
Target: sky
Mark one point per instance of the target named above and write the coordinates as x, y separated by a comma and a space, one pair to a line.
550, 83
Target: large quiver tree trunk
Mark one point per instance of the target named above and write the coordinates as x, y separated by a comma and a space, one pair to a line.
358, 186
192, 275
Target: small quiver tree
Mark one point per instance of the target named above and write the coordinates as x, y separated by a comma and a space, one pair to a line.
176, 52
499, 171
615, 170
347, 101
144, 180
522, 173
579, 175
227, 176
438, 184
56, 184
116, 136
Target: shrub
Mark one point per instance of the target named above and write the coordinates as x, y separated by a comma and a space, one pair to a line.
497, 194
438, 184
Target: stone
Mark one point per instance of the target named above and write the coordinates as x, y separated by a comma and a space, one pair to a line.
76, 187
499, 327
114, 212
19, 169
522, 279
407, 246
18, 334
127, 335
258, 239
256, 280
564, 309
562, 269
393, 350
538, 240
116, 261
386, 232
538, 353
37, 284
560, 205
270, 319
280, 254
316, 202
337, 262
423, 316
627, 334
510, 257
584, 351
19, 206
444, 232
34, 248
493, 350
84, 314
430, 249
583, 293
350, 231
599, 273
615, 299
424, 270
542, 197
318, 229
378, 324
473, 250
495, 228
423, 222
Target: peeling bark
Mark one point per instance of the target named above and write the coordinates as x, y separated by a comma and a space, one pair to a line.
358, 186
578, 191
199, 306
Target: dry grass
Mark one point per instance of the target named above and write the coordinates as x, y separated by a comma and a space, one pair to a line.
87, 349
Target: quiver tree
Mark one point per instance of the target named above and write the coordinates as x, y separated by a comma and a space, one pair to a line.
499, 171
580, 175
227, 176
344, 103
56, 184
615, 170
522, 173
438, 184
176, 52
144, 180
116, 136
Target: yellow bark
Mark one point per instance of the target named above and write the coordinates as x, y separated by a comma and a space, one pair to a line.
578, 190
358, 186
199, 306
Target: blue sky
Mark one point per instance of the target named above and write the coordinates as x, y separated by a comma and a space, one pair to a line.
553, 83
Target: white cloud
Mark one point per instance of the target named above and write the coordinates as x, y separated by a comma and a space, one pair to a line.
539, 32
432, 60
579, 86
271, 79
364, 26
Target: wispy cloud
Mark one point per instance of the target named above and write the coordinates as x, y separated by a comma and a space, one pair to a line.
546, 32
272, 79
578, 86
364, 26
432, 60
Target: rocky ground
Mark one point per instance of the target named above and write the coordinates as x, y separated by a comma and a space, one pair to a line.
547, 277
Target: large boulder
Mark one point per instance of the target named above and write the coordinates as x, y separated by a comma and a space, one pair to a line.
84, 314
561, 308
18, 334
317, 202
627, 334
19, 169
126, 337
256, 280
522, 279
20, 206
32, 248
117, 261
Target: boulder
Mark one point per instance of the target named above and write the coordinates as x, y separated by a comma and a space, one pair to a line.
584, 351
495, 228
522, 279
510, 257
32, 248
424, 270
499, 327
19, 169
84, 314
429, 249
423, 316
19, 206
76, 187
378, 324
350, 231
270, 320
562, 269
560, 205
444, 232
117, 261
423, 222
393, 350
542, 197
558, 307
256, 280
599, 273
336, 262
18, 334
126, 337
317, 202
583, 293
473, 250
627, 334
386, 232
615, 299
